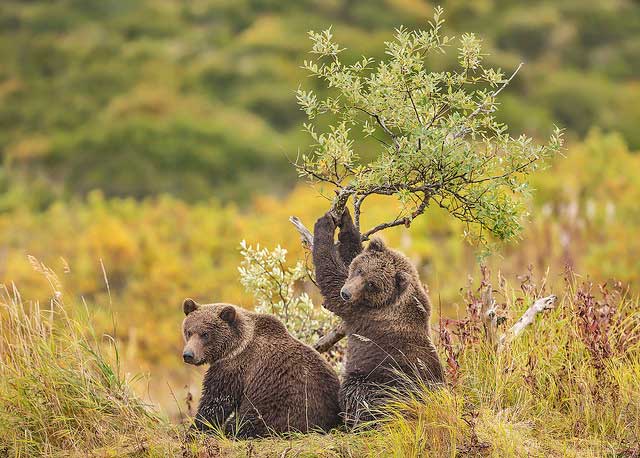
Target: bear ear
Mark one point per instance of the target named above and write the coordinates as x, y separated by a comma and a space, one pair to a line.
376, 244
403, 279
189, 305
228, 313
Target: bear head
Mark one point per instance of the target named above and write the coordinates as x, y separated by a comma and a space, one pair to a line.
213, 332
378, 277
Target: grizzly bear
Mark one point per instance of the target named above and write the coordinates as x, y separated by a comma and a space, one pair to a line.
261, 380
385, 310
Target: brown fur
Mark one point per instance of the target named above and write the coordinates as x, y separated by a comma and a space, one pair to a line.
269, 380
386, 311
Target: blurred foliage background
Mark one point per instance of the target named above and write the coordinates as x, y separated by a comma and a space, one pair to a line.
142, 140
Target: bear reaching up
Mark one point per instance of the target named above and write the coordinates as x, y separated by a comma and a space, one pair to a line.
386, 312
270, 381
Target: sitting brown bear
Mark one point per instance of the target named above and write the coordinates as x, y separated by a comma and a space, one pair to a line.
386, 312
270, 381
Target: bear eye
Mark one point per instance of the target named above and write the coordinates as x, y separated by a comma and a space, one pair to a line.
370, 286
205, 335
189, 334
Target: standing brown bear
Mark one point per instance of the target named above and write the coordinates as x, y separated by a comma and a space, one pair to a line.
386, 312
270, 381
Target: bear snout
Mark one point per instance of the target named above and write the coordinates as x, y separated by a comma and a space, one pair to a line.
188, 357
353, 289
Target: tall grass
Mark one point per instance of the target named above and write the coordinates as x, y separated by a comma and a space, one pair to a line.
568, 386
59, 391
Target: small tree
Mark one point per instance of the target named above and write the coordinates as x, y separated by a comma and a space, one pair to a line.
439, 142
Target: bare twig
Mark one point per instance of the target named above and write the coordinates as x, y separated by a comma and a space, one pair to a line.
305, 234
382, 124
481, 106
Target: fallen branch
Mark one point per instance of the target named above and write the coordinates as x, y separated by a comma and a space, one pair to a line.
540, 305
330, 339
489, 316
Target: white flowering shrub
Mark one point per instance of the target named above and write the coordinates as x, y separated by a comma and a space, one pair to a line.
264, 273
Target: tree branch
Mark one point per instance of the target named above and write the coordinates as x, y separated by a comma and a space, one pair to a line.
513, 171
406, 221
313, 174
305, 234
337, 209
396, 222
357, 205
382, 124
330, 339
413, 104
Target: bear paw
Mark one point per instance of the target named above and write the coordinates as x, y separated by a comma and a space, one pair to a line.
325, 224
346, 225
